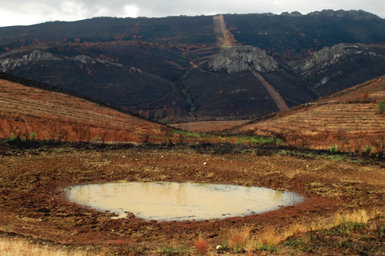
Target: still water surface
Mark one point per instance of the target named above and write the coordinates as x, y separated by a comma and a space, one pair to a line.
168, 201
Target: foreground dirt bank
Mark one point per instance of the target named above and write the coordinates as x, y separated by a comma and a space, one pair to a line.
32, 202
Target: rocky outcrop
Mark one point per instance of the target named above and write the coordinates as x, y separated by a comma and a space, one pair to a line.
34, 56
9, 64
340, 66
242, 58
328, 56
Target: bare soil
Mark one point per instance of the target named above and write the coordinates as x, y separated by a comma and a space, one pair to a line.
224, 36
348, 119
32, 202
57, 116
208, 126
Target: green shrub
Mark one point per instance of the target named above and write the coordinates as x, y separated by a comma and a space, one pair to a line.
368, 150
11, 137
96, 139
381, 107
333, 149
33, 135
254, 140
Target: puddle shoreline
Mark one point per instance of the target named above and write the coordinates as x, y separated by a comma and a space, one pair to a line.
172, 201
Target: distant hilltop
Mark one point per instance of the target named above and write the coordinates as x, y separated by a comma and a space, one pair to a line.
340, 13
181, 68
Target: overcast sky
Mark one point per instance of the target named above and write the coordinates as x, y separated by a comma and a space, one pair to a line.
26, 12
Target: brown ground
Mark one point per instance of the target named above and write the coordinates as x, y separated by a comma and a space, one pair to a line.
349, 119
224, 37
57, 116
32, 202
208, 126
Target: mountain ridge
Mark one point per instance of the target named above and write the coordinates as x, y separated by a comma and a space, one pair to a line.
34, 111
161, 68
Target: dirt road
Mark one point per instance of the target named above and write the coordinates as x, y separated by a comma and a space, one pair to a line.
224, 37
281, 104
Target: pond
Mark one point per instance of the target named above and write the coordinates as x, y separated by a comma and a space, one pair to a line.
169, 201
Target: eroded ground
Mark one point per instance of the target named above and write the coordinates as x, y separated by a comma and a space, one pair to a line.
32, 201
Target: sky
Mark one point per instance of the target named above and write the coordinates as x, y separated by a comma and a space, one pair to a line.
27, 12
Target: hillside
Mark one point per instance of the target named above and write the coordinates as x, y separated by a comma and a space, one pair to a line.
31, 113
201, 68
348, 119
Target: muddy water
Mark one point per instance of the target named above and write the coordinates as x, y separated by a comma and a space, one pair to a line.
167, 201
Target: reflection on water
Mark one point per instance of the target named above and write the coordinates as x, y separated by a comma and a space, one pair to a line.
167, 201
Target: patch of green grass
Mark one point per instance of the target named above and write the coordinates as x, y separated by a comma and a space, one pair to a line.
11, 137
368, 150
188, 134
381, 231
284, 152
381, 107
268, 248
337, 157
333, 157
33, 135
278, 142
259, 140
294, 243
333, 149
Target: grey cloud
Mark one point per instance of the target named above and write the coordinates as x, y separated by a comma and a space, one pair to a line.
33, 11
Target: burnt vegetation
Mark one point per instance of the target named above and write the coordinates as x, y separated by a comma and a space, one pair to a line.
158, 67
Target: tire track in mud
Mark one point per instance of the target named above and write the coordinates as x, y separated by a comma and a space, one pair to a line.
279, 101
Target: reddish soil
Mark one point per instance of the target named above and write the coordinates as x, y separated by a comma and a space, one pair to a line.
57, 116
348, 119
208, 126
32, 202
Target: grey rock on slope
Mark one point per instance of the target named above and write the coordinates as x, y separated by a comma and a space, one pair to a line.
242, 58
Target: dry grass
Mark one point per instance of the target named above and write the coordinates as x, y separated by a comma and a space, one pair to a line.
270, 237
201, 246
18, 247
349, 120
241, 240
208, 126
238, 239
357, 216
57, 116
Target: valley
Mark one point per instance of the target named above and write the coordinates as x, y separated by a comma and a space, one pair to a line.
348, 120
165, 69
292, 103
